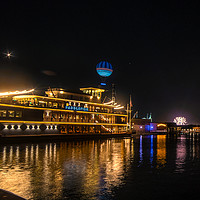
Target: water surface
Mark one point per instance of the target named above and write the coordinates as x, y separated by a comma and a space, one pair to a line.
145, 167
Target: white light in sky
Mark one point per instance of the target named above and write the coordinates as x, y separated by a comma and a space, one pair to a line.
180, 121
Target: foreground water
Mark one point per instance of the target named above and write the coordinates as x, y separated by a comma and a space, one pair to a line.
145, 167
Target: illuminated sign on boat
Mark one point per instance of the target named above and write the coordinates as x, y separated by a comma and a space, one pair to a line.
76, 108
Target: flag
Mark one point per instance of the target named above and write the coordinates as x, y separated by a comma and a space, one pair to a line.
131, 105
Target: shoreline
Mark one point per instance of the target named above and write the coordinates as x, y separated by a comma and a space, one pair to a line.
67, 137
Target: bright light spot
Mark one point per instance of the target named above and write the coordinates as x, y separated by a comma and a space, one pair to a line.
16, 92
161, 125
8, 54
180, 121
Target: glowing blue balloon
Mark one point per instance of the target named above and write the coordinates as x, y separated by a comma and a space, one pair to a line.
104, 69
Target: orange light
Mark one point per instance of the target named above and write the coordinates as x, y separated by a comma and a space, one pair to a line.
158, 125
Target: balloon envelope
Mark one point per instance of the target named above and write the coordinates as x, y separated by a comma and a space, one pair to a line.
104, 69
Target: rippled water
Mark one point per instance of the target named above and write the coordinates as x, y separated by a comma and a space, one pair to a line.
145, 167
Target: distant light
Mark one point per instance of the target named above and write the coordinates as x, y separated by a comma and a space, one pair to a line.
103, 83
161, 125
151, 127
180, 121
140, 126
8, 54
61, 92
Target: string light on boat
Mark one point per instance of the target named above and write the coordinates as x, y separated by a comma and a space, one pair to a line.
110, 102
117, 108
16, 92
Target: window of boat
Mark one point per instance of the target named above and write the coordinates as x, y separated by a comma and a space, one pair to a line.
2, 113
18, 114
42, 103
63, 105
98, 109
11, 113
32, 102
55, 105
50, 104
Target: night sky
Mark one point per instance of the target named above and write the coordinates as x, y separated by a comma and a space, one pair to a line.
153, 47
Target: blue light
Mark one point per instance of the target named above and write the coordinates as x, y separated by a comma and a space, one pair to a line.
76, 108
103, 83
104, 72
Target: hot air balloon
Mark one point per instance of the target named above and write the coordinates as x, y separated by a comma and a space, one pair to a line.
104, 69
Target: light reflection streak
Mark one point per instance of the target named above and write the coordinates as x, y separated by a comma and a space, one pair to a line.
17, 154
180, 155
4, 155
31, 156
161, 150
11, 153
141, 156
54, 152
36, 153
26, 155
87, 166
151, 150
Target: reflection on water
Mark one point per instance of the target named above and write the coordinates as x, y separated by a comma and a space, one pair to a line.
90, 169
180, 154
161, 150
83, 169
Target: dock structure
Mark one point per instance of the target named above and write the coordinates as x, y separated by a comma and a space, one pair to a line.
6, 195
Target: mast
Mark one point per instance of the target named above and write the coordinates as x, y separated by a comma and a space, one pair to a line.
128, 116
130, 113
113, 93
129, 110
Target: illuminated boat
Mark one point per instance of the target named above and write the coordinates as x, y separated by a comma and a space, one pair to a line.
59, 111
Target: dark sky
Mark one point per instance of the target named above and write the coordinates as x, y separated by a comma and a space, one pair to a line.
153, 47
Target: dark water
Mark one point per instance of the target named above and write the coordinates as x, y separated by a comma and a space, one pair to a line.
145, 167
